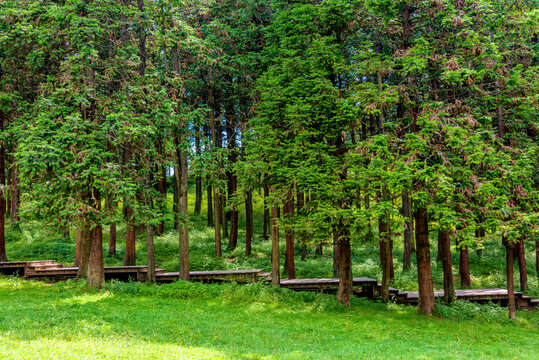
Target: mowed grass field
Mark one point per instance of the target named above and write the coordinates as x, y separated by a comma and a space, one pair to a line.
195, 321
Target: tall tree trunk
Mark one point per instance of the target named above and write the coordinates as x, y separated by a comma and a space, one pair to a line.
265, 232
84, 252
162, 189
464, 266
449, 284
130, 237
209, 204
509, 278
288, 211
248, 221
424, 272
112, 229
522, 265
150, 274
233, 238
345, 269
3, 256
198, 178
335, 252
175, 205
216, 193
383, 229
275, 267
180, 176
78, 241
15, 197
407, 257
96, 271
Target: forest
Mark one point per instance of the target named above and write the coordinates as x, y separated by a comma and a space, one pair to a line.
322, 126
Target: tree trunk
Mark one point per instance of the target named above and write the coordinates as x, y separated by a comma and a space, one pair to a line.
233, 238
3, 256
275, 267
84, 250
319, 249
78, 240
345, 269
288, 211
162, 189
522, 265
112, 230
407, 257
175, 205
509, 278
537, 256
265, 232
248, 221
96, 271
198, 178
209, 204
180, 176
449, 284
464, 267
130, 237
15, 196
385, 260
424, 272
335, 253
150, 274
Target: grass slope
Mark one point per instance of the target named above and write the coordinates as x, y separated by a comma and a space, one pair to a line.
195, 321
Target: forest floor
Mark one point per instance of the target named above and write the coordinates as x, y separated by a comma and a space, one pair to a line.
195, 321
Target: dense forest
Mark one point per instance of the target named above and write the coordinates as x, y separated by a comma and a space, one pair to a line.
357, 121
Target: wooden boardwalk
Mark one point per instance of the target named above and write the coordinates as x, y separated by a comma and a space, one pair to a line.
49, 270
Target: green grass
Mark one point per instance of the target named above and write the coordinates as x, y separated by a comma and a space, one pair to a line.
195, 321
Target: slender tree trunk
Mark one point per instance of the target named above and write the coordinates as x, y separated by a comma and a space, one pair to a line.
449, 284
198, 178
112, 229
383, 229
233, 238
209, 204
175, 205
335, 252
223, 215
464, 267
288, 211
150, 274
78, 241
407, 258
216, 194
522, 265
180, 173
15, 198
3, 256
424, 272
130, 237
265, 232
162, 189
345, 269
537, 256
248, 221
275, 267
509, 278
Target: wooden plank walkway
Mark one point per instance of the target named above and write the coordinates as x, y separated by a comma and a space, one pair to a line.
362, 286
212, 276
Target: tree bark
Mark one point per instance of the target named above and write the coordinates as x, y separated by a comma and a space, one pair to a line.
84, 250
288, 211
449, 284
537, 256
130, 237
509, 278
345, 269
150, 254
180, 176
335, 252
3, 256
522, 265
248, 221
424, 272
407, 257
275, 267
198, 178
383, 229
96, 271
233, 238
112, 229
265, 232
15, 196
162, 189
209, 204
464, 266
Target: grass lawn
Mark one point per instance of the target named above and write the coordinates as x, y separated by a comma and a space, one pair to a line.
195, 321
